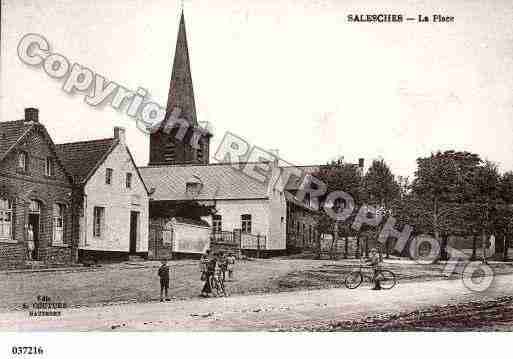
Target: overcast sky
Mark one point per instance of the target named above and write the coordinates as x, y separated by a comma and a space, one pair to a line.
287, 74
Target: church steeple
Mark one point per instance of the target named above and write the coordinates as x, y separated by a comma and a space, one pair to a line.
181, 92
165, 147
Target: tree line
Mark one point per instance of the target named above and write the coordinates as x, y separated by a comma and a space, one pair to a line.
452, 193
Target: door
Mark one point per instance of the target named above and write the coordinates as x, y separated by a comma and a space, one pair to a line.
134, 230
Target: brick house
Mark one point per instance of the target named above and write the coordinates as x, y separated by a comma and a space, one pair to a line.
113, 215
36, 192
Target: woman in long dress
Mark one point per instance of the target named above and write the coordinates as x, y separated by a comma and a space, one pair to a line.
30, 242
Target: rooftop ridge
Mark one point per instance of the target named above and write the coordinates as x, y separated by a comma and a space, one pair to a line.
85, 141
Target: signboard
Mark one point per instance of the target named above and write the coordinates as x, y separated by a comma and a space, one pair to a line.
190, 239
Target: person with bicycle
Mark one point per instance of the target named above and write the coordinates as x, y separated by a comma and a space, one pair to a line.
208, 265
375, 263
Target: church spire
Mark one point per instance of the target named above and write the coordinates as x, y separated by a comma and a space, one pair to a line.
181, 93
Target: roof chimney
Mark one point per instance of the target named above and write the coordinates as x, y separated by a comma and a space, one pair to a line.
119, 134
31, 114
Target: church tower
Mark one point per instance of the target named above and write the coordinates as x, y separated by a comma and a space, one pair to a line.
168, 148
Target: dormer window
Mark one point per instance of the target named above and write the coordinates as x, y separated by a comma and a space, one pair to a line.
23, 161
192, 188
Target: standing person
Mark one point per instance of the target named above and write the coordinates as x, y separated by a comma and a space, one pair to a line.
164, 280
30, 242
223, 265
210, 266
375, 263
230, 261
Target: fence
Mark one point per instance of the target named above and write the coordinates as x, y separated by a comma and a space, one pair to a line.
252, 241
223, 237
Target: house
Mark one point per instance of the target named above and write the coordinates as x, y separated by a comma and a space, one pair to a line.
35, 195
239, 202
113, 216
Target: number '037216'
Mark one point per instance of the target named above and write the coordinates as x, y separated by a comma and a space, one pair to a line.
27, 350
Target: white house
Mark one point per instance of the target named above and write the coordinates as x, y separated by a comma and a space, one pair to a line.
114, 215
241, 202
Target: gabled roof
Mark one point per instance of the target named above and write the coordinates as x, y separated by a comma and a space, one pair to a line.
219, 181
11, 133
82, 159
14, 132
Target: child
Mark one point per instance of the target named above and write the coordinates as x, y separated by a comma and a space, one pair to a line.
230, 260
164, 280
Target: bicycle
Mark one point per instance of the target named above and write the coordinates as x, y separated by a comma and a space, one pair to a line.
386, 278
217, 283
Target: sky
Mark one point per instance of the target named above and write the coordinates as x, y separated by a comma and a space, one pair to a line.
292, 75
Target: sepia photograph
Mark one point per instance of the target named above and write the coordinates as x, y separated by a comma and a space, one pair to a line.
237, 166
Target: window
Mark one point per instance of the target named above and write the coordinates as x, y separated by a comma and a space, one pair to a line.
217, 223
129, 180
108, 176
98, 221
199, 151
246, 223
58, 223
50, 169
169, 151
23, 161
5, 219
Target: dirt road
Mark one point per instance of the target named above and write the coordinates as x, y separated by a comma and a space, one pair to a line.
260, 312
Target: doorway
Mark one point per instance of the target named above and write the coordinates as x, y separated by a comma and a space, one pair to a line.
134, 231
34, 221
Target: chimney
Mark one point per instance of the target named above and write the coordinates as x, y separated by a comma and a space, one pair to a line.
119, 134
31, 114
361, 162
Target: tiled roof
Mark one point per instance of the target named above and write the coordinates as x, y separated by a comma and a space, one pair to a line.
220, 181
10, 133
81, 158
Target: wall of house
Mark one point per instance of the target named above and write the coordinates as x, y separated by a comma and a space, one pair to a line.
277, 220
118, 202
299, 235
231, 211
21, 188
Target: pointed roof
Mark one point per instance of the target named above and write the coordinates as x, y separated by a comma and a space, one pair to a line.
13, 133
84, 157
181, 92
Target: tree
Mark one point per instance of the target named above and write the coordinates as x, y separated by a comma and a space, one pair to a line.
379, 190
339, 176
506, 193
443, 183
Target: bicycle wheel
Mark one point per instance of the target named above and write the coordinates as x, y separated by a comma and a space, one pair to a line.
386, 279
353, 280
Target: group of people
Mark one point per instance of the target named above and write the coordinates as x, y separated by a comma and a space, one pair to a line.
217, 264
